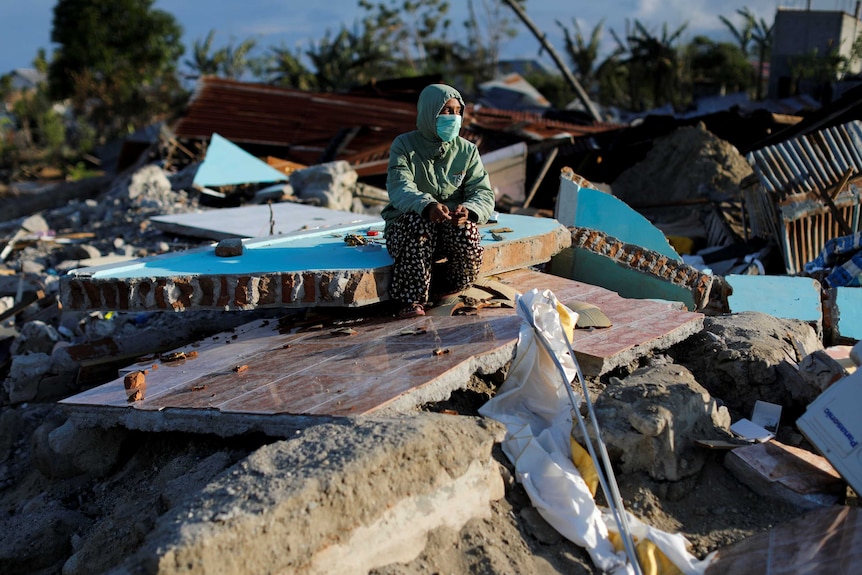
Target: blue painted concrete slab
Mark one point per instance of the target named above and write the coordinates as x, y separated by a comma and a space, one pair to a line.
227, 164
589, 208
314, 251
598, 270
848, 303
785, 297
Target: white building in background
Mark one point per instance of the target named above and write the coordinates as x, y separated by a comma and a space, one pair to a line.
800, 33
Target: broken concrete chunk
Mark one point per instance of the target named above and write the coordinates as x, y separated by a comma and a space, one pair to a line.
35, 336
330, 184
819, 371
147, 183
35, 224
747, 356
27, 370
336, 499
228, 248
135, 380
634, 271
651, 419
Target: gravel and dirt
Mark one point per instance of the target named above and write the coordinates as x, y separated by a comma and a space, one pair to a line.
56, 519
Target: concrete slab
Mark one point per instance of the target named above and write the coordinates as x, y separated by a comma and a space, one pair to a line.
580, 205
274, 378
316, 268
846, 306
631, 270
779, 296
283, 219
332, 500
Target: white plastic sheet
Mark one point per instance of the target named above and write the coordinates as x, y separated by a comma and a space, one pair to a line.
535, 407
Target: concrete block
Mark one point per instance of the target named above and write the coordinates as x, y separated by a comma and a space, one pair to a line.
651, 419
581, 205
339, 498
313, 269
786, 297
845, 305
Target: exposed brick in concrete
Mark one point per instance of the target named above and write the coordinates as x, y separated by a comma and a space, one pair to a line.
645, 261
337, 288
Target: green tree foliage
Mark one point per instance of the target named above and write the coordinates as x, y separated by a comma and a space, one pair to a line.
203, 62
743, 34
40, 124
406, 28
233, 61
281, 67
722, 64
583, 53
348, 59
654, 66
116, 61
755, 38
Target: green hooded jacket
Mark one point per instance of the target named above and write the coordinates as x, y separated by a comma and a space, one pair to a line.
423, 169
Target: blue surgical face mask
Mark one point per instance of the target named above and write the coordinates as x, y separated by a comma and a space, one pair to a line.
448, 126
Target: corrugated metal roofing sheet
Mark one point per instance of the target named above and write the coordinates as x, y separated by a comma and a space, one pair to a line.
312, 127
809, 163
304, 123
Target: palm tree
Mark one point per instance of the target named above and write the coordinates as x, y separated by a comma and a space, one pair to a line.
235, 60
582, 53
654, 65
202, 64
762, 38
742, 35
753, 31
349, 59
281, 67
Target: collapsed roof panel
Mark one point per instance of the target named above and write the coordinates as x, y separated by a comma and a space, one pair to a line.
315, 127
807, 191
810, 162
383, 366
303, 122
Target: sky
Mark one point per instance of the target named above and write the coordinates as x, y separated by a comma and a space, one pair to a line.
25, 25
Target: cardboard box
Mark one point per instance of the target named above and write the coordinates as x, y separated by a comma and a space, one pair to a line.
832, 423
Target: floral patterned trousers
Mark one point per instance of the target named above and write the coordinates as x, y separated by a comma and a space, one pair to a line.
415, 244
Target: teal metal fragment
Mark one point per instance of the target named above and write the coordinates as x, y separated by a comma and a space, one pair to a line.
227, 164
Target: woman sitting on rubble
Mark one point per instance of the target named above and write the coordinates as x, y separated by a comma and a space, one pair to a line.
438, 194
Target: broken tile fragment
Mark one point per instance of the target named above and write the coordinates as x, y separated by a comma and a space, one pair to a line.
788, 473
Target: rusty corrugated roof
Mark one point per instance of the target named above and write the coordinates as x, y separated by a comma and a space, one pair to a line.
304, 124
312, 127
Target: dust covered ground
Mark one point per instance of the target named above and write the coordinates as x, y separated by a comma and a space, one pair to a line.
87, 524
56, 520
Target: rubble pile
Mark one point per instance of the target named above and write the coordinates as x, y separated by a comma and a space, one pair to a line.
46, 347
682, 176
80, 500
